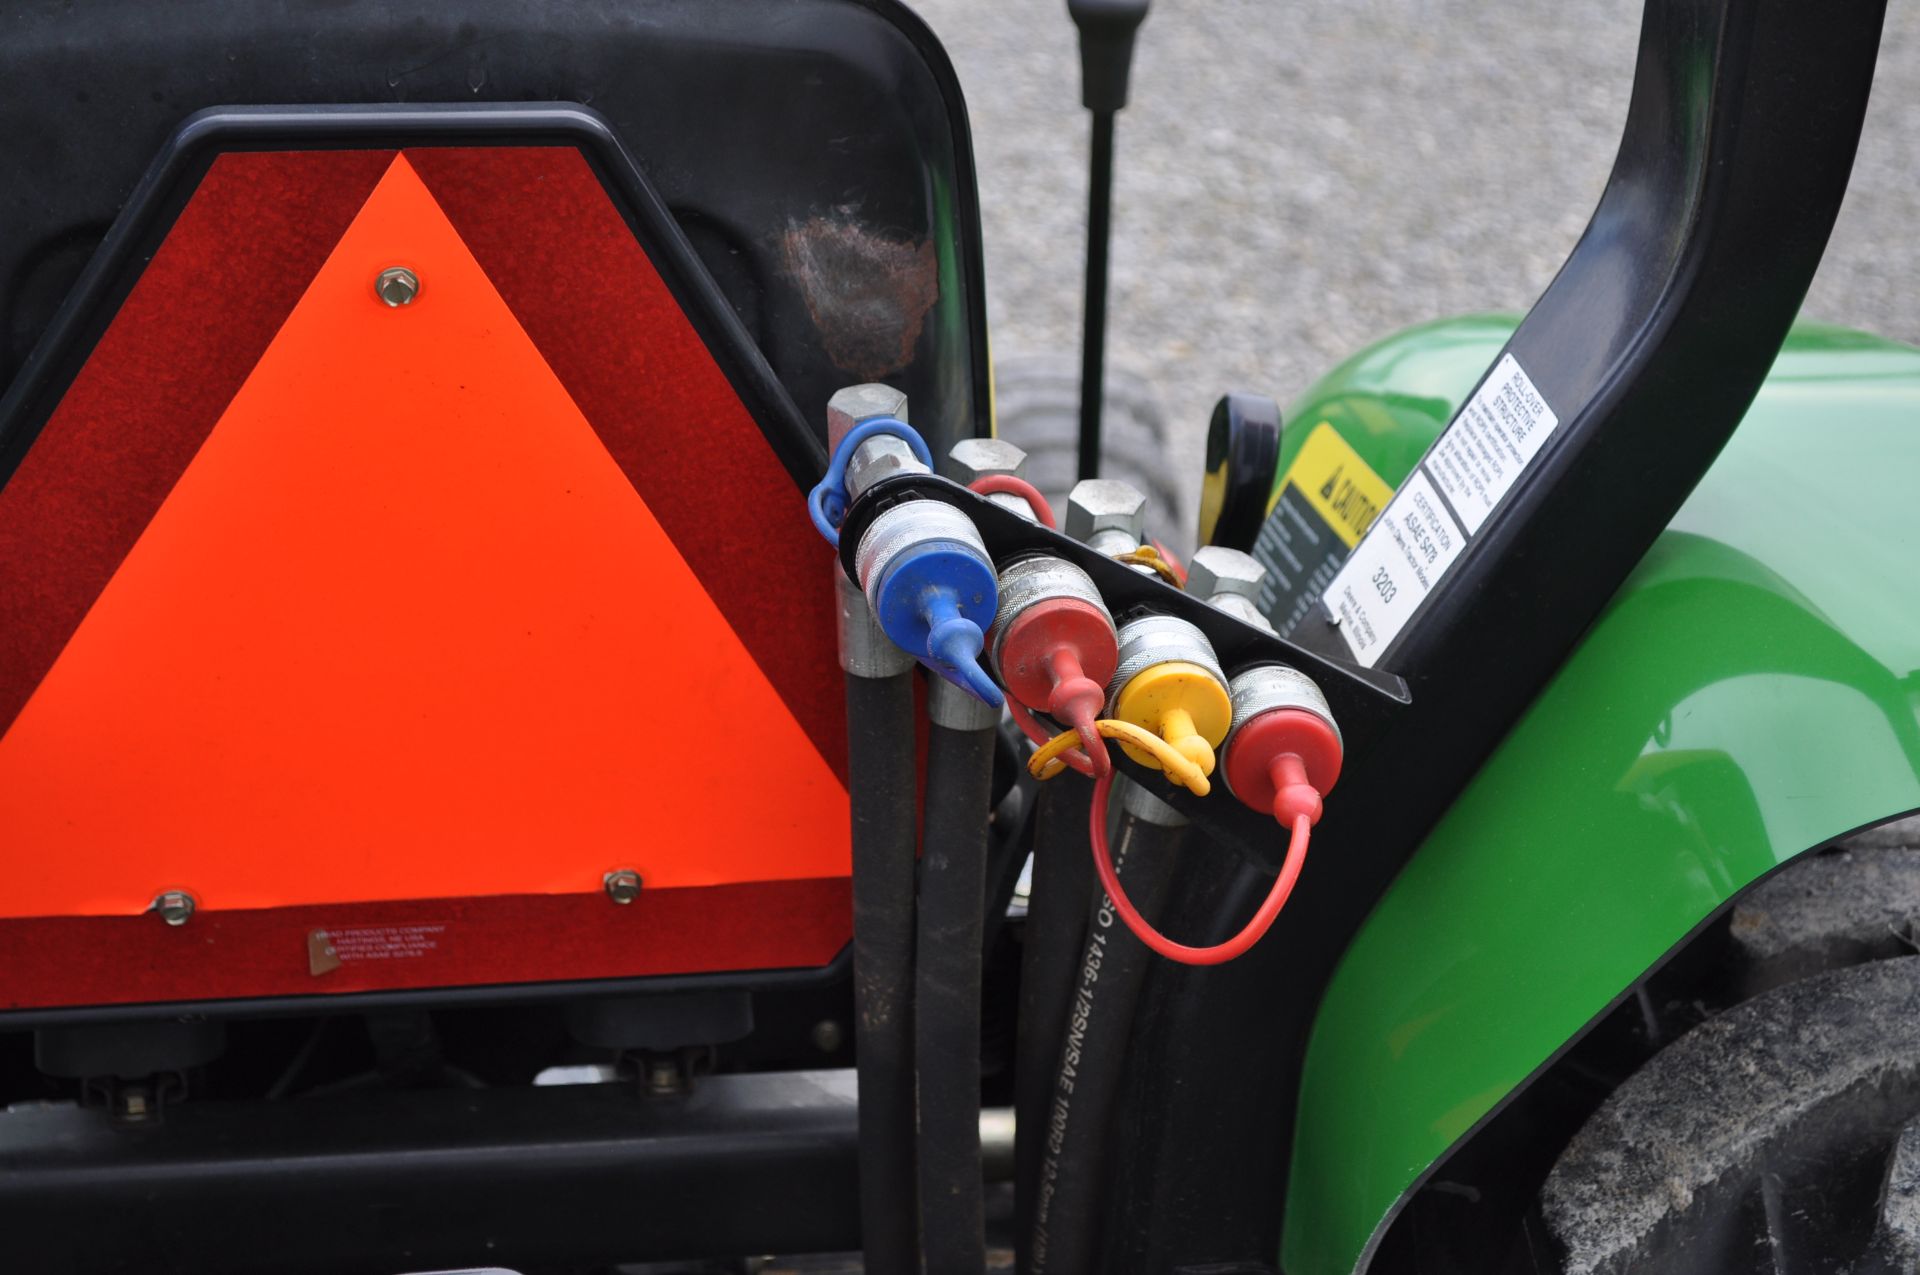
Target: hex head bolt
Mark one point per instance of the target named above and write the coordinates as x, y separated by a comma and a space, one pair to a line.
397, 286
879, 457
622, 885
1229, 581
975, 458
175, 907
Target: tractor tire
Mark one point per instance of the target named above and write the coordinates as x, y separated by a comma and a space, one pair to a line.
1783, 1135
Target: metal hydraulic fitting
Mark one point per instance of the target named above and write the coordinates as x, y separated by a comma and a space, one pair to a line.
1108, 516
865, 650
1283, 749
1169, 682
975, 458
1229, 580
930, 584
960, 709
879, 457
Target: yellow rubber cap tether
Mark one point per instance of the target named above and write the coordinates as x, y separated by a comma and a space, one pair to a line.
1046, 763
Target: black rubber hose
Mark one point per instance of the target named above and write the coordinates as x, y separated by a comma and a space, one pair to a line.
1087, 1076
1010, 833
1058, 897
880, 769
947, 1006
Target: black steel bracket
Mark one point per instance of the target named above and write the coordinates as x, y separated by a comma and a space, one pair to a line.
1364, 702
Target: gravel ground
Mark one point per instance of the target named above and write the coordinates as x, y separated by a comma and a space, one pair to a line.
1296, 180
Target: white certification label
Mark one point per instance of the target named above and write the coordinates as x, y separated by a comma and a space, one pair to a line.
1442, 504
1501, 428
1406, 551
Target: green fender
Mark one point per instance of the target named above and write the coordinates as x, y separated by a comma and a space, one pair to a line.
1748, 695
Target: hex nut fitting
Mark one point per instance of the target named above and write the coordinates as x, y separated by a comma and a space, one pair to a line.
855, 404
877, 458
175, 907
397, 286
622, 885
1105, 504
975, 458
1229, 581
1216, 570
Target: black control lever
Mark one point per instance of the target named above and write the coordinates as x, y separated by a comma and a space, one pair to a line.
1107, 29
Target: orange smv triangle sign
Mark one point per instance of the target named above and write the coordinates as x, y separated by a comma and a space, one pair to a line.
403, 630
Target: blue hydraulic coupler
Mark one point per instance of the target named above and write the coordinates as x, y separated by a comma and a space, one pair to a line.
931, 585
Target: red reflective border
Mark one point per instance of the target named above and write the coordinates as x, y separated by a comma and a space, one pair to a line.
52, 962
159, 378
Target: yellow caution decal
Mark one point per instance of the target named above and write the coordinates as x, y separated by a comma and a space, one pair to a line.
1321, 508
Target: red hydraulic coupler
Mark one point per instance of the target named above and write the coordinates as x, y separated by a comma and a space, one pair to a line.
1283, 750
1055, 648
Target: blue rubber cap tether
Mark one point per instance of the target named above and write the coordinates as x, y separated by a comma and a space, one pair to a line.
955, 642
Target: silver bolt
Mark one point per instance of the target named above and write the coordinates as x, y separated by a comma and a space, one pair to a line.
664, 1077
1216, 570
856, 404
623, 885
876, 458
174, 906
1107, 516
397, 286
1229, 580
975, 458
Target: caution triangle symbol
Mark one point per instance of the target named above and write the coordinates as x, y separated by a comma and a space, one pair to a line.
403, 630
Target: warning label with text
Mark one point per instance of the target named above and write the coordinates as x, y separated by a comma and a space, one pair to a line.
1394, 568
1325, 503
1445, 502
328, 950
1482, 453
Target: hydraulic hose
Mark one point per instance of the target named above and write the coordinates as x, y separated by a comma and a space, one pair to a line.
1061, 891
960, 749
880, 771
1087, 1075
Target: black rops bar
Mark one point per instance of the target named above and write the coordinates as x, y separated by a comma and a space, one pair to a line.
1649, 346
